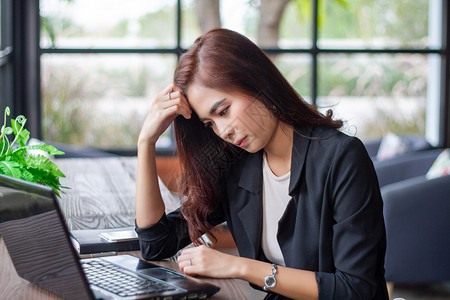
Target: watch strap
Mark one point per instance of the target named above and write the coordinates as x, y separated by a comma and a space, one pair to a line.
269, 280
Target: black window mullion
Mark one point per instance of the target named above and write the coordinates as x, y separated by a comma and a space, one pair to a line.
26, 63
179, 20
108, 51
6, 55
444, 128
314, 52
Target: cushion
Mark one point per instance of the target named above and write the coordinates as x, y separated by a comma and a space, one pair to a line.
441, 165
391, 145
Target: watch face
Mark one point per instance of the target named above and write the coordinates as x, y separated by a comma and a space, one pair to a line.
270, 281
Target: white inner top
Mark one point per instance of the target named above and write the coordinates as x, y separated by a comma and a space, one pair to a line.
275, 199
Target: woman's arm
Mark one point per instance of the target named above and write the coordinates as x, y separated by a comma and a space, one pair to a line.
358, 234
160, 236
292, 283
149, 204
168, 104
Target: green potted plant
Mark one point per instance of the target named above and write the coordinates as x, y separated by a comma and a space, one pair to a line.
27, 162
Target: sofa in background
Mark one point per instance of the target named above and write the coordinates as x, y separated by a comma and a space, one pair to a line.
405, 166
409, 143
417, 218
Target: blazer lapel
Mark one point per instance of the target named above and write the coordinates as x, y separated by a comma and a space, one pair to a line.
302, 139
250, 213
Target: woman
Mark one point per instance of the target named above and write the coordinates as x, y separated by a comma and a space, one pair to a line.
301, 198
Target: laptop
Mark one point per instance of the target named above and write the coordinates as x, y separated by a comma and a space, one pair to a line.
38, 241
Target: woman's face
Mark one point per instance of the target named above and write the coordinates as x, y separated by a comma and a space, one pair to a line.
234, 117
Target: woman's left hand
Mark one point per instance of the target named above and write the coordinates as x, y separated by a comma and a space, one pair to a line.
209, 262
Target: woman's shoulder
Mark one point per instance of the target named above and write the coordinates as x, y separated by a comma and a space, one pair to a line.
329, 140
330, 135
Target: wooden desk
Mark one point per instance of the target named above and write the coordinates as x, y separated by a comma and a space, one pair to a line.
14, 287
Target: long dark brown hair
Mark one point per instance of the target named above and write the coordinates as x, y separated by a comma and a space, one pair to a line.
225, 60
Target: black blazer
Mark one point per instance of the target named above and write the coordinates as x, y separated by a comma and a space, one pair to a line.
333, 225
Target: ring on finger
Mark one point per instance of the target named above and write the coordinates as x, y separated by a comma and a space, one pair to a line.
190, 262
170, 97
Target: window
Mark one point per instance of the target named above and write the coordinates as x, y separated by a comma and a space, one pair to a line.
98, 74
377, 64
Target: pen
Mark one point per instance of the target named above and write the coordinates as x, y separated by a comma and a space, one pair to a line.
203, 240
100, 254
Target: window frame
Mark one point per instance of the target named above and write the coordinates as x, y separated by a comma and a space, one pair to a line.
27, 97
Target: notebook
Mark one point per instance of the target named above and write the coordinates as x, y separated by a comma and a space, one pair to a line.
87, 241
38, 241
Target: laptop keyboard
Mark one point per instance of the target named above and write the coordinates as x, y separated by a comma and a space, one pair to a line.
113, 279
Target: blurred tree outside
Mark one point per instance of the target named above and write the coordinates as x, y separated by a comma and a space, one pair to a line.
208, 14
270, 14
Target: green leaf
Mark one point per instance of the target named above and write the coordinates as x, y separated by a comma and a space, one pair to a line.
27, 175
51, 150
19, 156
22, 135
10, 168
42, 163
4, 147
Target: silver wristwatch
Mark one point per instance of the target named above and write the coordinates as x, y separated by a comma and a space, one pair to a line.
270, 280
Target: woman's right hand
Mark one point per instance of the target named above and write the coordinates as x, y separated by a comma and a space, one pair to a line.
167, 105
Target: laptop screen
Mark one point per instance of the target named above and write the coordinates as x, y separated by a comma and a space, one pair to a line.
37, 240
